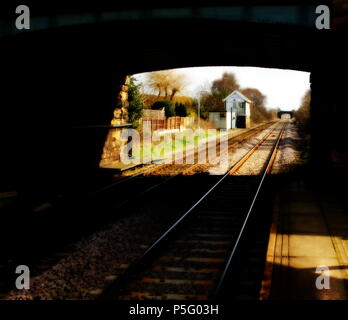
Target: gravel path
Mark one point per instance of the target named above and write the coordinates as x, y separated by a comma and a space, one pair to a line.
288, 156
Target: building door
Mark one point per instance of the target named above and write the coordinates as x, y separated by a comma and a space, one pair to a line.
241, 122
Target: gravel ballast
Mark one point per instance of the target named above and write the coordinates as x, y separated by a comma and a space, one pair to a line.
99, 259
288, 156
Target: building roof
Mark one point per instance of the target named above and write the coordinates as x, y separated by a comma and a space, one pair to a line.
240, 94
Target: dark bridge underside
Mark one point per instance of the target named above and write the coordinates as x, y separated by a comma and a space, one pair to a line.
55, 81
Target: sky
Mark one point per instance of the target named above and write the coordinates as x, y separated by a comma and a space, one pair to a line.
283, 89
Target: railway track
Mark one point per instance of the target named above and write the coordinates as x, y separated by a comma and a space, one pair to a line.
188, 169
140, 185
193, 258
162, 173
101, 200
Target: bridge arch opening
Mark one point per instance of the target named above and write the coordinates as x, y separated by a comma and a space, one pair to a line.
76, 70
199, 90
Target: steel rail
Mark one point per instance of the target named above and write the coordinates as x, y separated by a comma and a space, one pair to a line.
266, 171
152, 170
152, 249
161, 183
111, 185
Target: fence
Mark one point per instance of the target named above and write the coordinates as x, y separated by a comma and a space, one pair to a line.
171, 123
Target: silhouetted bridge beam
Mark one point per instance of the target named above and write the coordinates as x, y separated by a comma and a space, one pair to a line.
54, 80
300, 13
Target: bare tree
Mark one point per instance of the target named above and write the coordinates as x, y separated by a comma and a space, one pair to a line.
258, 110
225, 85
302, 114
158, 81
255, 96
178, 83
166, 82
212, 99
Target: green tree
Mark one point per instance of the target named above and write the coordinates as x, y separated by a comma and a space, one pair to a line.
212, 102
135, 107
180, 109
168, 106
